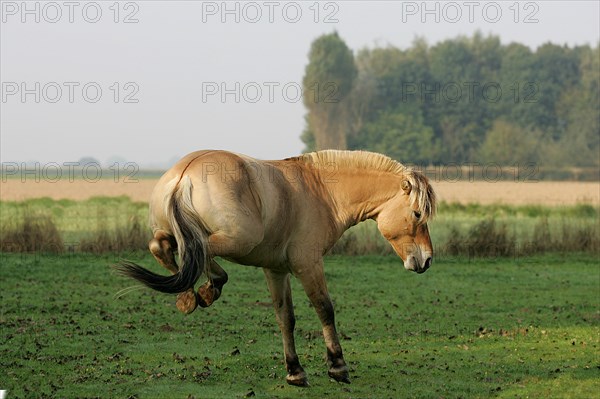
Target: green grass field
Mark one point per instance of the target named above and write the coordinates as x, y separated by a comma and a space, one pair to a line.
511, 327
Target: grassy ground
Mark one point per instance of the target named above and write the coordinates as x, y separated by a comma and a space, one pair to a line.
525, 327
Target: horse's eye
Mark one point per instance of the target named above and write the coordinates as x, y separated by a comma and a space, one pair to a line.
417, 214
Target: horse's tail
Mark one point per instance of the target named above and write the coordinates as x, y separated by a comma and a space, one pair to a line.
191, 237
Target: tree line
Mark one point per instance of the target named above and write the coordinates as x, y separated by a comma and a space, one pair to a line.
467, 99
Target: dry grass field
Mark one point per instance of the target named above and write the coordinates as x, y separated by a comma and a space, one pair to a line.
465, 192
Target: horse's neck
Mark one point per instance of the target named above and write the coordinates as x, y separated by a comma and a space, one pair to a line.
360, 195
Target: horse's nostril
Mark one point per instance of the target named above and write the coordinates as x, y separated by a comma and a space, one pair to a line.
427, 263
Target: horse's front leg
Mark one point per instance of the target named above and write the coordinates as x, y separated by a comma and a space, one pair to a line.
313, 280
281, 294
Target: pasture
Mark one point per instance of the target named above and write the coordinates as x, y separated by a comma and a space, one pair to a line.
524, 327
524, 324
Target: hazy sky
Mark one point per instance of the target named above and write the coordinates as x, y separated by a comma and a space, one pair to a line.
182, 76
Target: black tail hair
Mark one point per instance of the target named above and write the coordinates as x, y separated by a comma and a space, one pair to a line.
191, 241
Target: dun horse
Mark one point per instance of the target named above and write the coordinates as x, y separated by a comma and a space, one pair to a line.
281, 216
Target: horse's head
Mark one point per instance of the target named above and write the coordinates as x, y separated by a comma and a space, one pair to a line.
403, 222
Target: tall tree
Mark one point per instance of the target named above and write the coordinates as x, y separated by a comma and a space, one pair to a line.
464, 99
579, 107
399, 134
557, 70
453, 99
520, 86
328, 80
509, 144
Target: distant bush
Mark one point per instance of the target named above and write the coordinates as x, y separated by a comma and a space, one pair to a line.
129, 237
32, 233
488, 238
583, 238
485, 239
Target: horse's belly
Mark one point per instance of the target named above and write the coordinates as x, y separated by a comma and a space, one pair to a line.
265, 255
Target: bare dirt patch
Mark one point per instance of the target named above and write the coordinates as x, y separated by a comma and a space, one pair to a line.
511, 193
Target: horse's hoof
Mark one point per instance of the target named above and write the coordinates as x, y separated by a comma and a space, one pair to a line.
340, 374
207, 295
298, 380
186, 302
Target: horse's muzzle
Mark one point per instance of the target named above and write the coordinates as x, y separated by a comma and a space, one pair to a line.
414, 264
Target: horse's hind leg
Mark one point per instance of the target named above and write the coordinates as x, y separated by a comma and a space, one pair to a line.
222, 244
211, 290
162, 246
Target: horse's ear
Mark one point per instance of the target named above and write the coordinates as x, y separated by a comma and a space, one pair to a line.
406, 186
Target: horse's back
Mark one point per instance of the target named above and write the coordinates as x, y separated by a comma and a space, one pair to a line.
221, 185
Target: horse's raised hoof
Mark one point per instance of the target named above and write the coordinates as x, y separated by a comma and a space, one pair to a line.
207, 294
186, 301
298, 380
340, 374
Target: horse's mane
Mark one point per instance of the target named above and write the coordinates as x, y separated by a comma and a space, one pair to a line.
421, 195
355, 159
